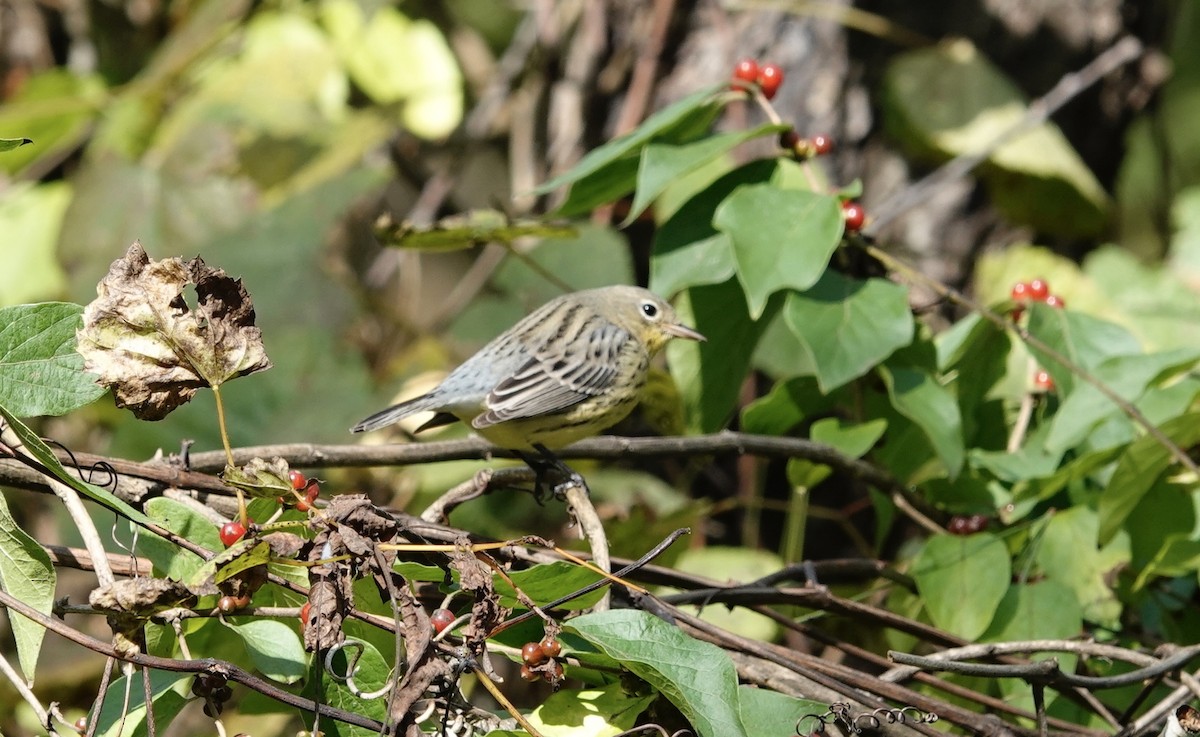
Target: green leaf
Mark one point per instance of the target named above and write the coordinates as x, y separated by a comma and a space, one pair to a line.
1069, 553
1085, 340
8, 144
847, 326
40, 371
1128, 377
168, 558
662, 164
600, 712
547, 582
962, 580
242, 556
274, 646
1137, 470
55, 108
710, 374
781, 238
688, 251
34, 446
1044, 610
784, 407
629, 144
949, 100
123, 711
27, 574
853, 439
372, 674
773, 713
466, 230
697, 677
32, 215
919, 397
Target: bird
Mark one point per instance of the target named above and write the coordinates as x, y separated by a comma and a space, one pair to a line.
569, 370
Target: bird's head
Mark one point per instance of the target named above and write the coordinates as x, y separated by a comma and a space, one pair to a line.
645, 315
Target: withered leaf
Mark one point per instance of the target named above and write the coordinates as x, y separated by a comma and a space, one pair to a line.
260, 477
153, 350
140, 595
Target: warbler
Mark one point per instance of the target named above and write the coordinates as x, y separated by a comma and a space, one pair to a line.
568, 370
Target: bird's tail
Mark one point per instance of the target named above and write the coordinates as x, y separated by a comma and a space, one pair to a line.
396, 412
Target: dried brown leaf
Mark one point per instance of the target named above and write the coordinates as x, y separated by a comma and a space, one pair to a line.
153, 350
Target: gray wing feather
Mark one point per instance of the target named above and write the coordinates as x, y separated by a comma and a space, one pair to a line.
559, 376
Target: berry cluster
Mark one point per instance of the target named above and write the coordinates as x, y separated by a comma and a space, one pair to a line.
1023, 293
229, 604
767, 77
214, 689
805, 148
310, 487
966, 525
540, 661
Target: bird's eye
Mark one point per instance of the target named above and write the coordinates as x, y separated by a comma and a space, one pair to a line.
650, 310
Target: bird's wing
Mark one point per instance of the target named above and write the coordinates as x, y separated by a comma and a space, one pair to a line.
559, 375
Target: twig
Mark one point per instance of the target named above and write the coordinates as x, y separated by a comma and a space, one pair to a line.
579, 502
1086, 648
26, 693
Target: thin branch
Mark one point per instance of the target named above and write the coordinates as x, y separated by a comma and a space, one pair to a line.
26, 693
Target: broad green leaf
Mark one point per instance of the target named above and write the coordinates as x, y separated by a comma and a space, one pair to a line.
784, 407
1139, 468
123, 711
393, 58
629, 144
168, 558
1084, 340
466, 230
773, 713
962, 580
1044, 610
782, 238
1069, 552
372, 674
949, 100
34, 446
8, 144
31, 215
601, 712
973, 353
847, 326
550, 581
662, 163
1127, 376
688, 251
697, 677
851, 439
919, 397
40, 371
274, 646
710, 374
27, 574
253, 554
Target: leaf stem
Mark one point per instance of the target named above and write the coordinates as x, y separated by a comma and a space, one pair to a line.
221, 423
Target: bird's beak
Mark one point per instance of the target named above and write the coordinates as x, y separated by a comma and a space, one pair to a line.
683, 331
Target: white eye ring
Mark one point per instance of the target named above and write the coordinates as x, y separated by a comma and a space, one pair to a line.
650, 310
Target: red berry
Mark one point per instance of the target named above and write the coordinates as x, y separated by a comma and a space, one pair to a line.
976, 523
1020, 291
1043, 381
746, 70
441, 619
532, 653
1038, 289
854, 215
551, 647
231, 532
81, 725
304, 612
770, 77
1055, 301
528, 674
303, 506
227, 604
821, 144
297, 480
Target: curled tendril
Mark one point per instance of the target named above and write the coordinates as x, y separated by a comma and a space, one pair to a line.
840, 713
354, 652
662, 732
89, 474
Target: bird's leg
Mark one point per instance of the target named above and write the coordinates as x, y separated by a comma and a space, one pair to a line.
540, 468
569, 475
